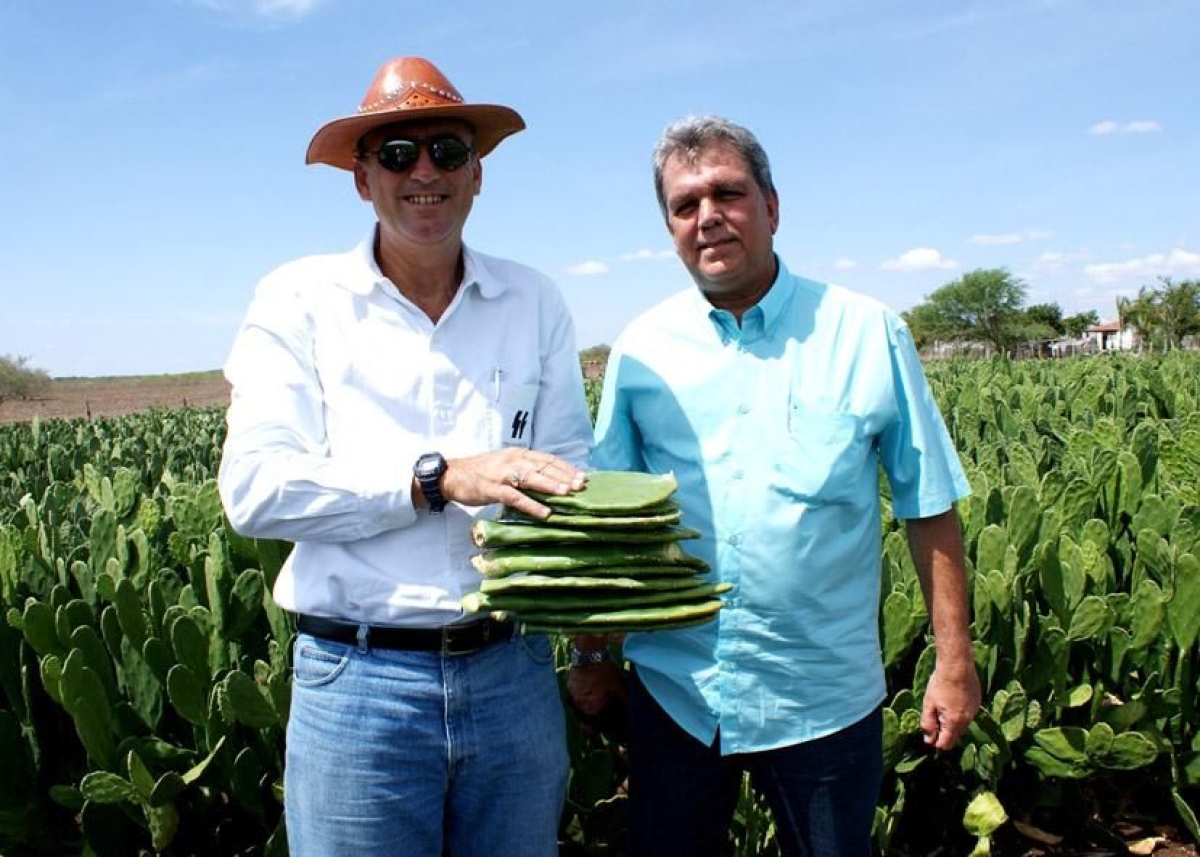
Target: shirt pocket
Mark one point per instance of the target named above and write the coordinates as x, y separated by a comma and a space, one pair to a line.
512, 412
824, 458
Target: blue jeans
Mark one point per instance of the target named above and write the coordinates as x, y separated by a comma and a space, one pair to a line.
422, 754
682, 794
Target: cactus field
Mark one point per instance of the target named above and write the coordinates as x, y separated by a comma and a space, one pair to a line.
144, 670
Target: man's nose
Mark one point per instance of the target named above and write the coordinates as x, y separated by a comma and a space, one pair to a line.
424, 169
710, 213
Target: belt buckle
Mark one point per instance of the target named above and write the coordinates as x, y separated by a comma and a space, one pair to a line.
484, 630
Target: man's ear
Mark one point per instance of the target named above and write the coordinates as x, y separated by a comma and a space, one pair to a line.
360, 181
477, 180
773, 210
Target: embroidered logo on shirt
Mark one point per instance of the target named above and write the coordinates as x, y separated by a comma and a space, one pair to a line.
520, 420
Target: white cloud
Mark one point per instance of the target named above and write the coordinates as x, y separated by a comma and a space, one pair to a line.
1054, 260
644, 255
1139, 126
586, 269
1011, 237
1177, 263
845, 264
919, 259
274, 9
592, 267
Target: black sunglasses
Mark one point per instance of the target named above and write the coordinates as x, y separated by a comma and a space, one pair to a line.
400, 154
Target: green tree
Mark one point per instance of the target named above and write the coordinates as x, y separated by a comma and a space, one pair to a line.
1076, 325
19, 380
1047, 315
1178, 310
593, 361
926, 325
984, 305
597, 353
1139, 314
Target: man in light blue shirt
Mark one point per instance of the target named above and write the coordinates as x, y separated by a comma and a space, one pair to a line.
775, 400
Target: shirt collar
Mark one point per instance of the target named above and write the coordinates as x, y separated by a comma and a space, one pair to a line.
760, 320
362, 274
477, 272
778, 298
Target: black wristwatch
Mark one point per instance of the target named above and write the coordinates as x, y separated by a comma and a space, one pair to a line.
576, 658
428, 470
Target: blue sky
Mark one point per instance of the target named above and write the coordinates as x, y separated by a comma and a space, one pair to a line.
153, 156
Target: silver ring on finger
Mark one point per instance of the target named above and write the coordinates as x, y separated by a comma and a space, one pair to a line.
515, 478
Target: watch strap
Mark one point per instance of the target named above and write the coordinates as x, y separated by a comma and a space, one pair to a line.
583, 659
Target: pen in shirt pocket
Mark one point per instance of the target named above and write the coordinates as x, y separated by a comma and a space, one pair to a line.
496, 374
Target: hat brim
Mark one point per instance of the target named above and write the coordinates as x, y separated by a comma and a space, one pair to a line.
335, 141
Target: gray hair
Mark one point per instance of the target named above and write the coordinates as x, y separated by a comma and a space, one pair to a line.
688, 137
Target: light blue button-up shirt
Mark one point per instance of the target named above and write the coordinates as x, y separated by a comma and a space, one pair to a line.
776, 431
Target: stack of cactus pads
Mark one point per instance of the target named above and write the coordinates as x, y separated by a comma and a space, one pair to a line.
607, 560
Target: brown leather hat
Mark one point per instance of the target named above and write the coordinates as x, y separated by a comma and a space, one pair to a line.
407, 89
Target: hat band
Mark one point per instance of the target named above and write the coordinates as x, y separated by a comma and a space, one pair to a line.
401, 92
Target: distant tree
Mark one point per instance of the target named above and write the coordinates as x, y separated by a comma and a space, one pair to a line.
1040, 323
927, 326
1076, 325
595, 353
19, 380
983, 305
1048, 315
593, 361
1177, 308
1139, 315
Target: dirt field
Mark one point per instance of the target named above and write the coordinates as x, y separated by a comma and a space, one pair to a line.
112, 397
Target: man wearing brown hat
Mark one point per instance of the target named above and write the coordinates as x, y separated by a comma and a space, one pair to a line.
381, 398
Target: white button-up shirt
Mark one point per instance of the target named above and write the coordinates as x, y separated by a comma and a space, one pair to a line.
340, 383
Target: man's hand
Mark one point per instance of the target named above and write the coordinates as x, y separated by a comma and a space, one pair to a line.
591, 687
953, 694
503, 476
951, 701
952, 697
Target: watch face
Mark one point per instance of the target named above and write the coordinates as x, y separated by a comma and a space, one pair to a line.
429, 465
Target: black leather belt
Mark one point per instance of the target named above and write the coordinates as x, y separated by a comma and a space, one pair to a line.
449, 640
